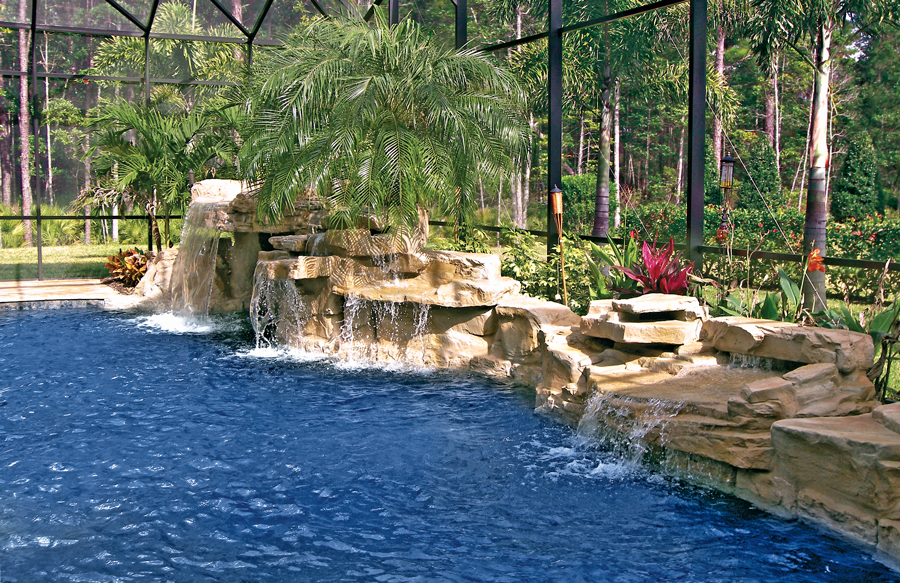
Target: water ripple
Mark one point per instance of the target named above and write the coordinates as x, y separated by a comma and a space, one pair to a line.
183, 455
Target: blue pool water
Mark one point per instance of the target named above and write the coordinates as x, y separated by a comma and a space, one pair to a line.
134, 454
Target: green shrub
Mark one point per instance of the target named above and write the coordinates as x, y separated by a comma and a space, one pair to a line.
765, 184
579, 196
855, 193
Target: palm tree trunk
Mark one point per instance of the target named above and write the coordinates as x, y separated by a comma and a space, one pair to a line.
617, 143
679, 183
814, 230
601, 196
24, 124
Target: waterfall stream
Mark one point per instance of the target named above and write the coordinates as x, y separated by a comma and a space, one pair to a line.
195, 266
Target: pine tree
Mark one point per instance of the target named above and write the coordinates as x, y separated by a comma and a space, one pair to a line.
765, 184
855, 191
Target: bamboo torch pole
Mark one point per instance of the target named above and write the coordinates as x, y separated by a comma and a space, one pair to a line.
556, 209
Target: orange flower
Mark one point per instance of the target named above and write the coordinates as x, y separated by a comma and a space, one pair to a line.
816, 261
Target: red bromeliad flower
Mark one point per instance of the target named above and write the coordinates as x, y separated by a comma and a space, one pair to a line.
662, 271
816, 261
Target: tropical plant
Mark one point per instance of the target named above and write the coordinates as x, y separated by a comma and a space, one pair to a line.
661, 271
609, 282
185, 60
127, 266
540, 275
378, 118
153, 168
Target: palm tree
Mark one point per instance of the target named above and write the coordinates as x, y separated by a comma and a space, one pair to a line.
377, 117
152, 169
807, 27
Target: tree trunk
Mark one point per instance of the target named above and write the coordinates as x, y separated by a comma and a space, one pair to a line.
617, 144
526, 191
579, 166
720, 69
814, 230
679, 183
24, 124
769, 115
6, 148
480, 193
601, 196
777, 144
87, 184
515, 186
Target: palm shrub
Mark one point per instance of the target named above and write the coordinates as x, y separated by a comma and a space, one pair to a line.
378, 118
146, 155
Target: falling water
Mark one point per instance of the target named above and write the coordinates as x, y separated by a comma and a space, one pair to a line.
275, 304
753, 362
627, 424
195, 266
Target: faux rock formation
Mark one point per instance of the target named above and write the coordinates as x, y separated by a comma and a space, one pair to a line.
844, 473
649, 319
848, 350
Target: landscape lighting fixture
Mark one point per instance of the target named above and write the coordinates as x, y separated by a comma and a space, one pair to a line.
726, 173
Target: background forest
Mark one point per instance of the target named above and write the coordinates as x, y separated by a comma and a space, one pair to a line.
625, 93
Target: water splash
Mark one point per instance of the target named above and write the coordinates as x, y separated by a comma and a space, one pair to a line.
627, 424
195, 265
276, 308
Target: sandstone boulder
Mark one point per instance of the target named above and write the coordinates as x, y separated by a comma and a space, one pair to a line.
292, 243
845, 471
849, 351
216, 190
612, 327
685, 308
520, 318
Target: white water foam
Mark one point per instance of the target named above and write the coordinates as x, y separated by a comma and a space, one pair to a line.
170, 323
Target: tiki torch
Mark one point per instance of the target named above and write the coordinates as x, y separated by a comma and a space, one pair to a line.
556, 209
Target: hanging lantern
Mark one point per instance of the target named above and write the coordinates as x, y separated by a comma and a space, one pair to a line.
726, 173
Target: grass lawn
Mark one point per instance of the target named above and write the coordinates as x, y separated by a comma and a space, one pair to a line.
73, 261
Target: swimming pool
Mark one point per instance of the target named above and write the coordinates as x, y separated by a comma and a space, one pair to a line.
132, 453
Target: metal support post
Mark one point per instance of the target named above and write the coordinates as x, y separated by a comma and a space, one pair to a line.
462, 33
147, 70
393, 12
696, 130
36, 132
554, 131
